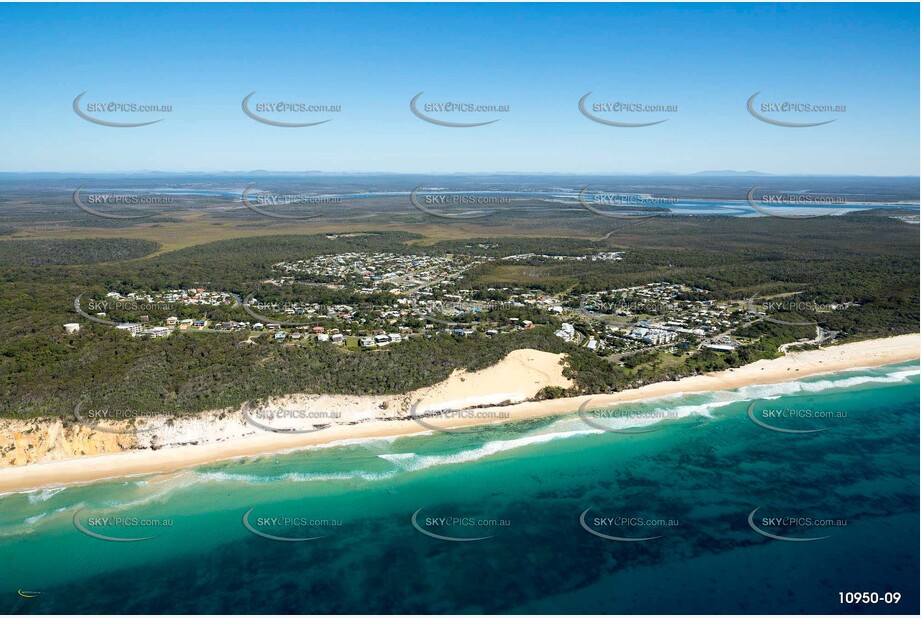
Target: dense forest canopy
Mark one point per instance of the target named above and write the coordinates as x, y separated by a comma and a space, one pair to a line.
869, 260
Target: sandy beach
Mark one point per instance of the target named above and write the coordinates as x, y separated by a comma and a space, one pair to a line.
498, 392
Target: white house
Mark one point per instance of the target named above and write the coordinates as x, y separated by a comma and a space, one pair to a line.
157, 332
567, 332
132, 329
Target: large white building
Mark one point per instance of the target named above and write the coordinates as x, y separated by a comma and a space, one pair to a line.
567, 332
132, 329
655, 336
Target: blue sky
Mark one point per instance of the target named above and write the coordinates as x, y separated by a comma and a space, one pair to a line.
538, 59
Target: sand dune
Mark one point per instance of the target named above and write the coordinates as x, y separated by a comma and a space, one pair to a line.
516, 378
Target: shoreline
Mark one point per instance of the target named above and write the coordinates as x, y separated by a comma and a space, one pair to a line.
793, 366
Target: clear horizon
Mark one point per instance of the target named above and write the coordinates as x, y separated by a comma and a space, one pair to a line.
714, 173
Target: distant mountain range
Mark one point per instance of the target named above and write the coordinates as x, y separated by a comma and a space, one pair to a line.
731, 173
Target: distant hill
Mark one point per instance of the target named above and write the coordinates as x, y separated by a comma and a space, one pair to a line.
730, 173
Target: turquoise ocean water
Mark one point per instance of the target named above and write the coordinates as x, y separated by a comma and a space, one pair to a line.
560, 510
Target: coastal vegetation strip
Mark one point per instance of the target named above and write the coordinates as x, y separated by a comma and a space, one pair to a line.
124, 457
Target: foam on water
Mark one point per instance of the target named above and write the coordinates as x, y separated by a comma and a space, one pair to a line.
650, 412
297, 477
772, 391
574, 426
413, 461
29, 524
42, 495
37, 518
